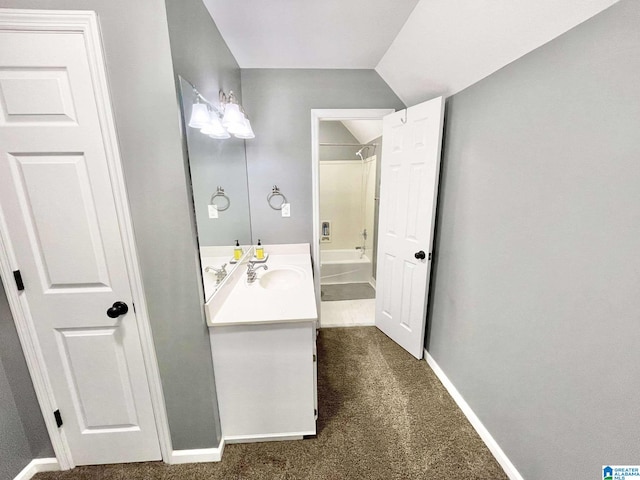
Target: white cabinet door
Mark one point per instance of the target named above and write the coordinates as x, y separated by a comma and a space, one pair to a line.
408, 192
59, 217
265, 380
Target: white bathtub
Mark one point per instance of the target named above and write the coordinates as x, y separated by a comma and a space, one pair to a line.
344, 266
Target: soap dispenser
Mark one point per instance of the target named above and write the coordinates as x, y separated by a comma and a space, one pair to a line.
259, 251
237, 251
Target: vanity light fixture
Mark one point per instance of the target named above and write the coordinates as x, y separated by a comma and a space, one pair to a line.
214, 127
220, 122
199, 114
235, 120
245, 131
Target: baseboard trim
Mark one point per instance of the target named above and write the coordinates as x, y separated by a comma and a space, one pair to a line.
486, 437
198, 455
280, 437
38, 465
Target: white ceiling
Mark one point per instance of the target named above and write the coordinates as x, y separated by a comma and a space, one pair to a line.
309, 33
437, 48
365, 131
447, 45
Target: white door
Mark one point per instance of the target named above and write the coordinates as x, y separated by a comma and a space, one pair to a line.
60, 220
408, 191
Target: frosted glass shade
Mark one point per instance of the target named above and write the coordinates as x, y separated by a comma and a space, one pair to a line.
220, 136
214, 128
233, 119
199, 115
246, 131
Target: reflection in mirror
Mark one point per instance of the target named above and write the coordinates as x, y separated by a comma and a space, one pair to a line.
218, 171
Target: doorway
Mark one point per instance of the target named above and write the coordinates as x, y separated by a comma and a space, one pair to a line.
408, 193
347, 145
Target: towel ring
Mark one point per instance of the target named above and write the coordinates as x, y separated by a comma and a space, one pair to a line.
220, 193
275, 192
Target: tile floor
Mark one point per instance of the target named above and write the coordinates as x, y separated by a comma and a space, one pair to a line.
347, 313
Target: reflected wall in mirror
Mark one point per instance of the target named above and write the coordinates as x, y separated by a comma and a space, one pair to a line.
218, 171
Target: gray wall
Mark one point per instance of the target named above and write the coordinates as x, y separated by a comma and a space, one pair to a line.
143, 92
15, 453
280, 103
336, 132
23, 434
535, 305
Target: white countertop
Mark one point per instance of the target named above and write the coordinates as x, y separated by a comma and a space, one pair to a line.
245, 303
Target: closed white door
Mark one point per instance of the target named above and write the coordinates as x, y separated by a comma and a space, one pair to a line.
59, 214
408, 191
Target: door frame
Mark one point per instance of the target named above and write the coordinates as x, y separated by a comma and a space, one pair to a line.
85, 23
318, 115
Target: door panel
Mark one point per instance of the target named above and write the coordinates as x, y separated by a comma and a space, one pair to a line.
38, 95
57, 200
90, 382
64, 228
408, 190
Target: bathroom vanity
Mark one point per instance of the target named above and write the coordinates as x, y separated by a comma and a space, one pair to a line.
263, 342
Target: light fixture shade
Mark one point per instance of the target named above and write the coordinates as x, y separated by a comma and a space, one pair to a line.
213, 127
247, 131
223, 135
233, 119
199, 115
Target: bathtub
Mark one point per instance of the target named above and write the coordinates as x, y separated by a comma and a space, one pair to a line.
344, 266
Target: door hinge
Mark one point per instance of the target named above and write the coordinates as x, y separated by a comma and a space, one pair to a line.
134, 307
315, 412
314, 357
429, 255
18, 277
58, 417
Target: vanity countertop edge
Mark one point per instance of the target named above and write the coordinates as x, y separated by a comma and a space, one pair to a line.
251, 304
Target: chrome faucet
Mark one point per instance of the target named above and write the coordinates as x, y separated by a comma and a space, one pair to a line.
220, 272
251, 271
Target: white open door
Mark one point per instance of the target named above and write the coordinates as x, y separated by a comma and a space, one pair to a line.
61, 229
408, 191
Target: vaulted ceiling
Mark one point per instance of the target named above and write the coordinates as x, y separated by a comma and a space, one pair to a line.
421, 48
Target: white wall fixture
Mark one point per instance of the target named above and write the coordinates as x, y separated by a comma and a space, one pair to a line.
220, 122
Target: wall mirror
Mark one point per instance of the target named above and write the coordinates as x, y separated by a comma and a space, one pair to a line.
218, 172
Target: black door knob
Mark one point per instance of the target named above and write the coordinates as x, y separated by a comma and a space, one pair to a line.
118, 308
420, 255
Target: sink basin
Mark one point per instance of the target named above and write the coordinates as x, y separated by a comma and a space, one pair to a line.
282, 278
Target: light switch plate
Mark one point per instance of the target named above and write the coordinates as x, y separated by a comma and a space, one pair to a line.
213, 211
286, 209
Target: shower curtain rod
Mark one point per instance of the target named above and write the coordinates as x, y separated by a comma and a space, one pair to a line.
349, 144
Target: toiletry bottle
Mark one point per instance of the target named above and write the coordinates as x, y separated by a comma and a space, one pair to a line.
237, 251
259, 251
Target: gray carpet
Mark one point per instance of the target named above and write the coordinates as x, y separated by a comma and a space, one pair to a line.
346, 291
383, 416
